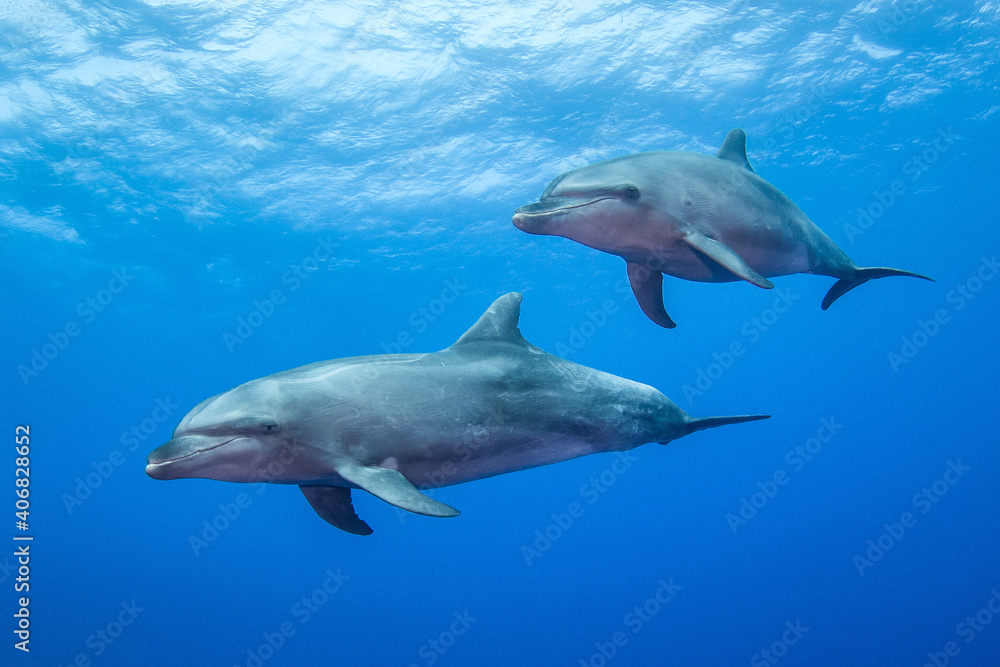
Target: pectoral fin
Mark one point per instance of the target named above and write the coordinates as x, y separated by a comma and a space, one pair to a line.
727, 257
647, 285
390, 486
333, 504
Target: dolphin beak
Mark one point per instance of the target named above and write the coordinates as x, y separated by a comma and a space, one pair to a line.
161, 462
526, 217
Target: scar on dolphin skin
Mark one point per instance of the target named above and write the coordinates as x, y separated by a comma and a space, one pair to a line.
697, 217
334, 426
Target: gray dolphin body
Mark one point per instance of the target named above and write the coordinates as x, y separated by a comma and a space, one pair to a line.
492, 403
697, 217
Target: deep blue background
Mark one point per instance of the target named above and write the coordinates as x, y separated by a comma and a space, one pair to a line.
205, 149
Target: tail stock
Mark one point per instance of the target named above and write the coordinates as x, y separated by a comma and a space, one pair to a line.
693, 424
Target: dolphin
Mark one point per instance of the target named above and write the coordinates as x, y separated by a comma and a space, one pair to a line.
393, 424
691, 216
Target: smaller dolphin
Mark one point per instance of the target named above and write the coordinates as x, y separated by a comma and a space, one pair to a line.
691, 216
392, 424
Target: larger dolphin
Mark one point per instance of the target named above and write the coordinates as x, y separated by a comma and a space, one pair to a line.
492, 403
692, 216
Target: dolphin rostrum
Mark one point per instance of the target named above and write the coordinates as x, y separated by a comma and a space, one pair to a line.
492, 403
692, 216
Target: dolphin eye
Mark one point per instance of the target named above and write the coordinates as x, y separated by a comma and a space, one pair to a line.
269, 427
632, 191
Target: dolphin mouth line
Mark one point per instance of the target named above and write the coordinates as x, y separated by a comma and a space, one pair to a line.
195, 453
539, 214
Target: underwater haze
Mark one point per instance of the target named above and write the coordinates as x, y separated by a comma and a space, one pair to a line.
197, 194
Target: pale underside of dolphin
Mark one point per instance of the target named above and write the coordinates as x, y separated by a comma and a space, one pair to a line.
698, 217
490, 404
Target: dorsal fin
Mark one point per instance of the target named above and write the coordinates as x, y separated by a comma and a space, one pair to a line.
498, 323
734, 149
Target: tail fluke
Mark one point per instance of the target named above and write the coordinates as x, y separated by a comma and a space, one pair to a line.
861, 276
700, 424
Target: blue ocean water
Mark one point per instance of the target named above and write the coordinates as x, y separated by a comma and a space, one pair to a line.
198, 194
